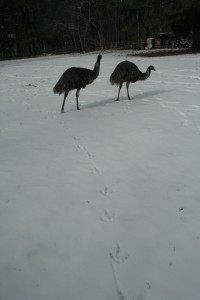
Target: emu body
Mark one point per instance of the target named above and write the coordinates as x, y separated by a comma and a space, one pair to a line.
76, 79
128, 72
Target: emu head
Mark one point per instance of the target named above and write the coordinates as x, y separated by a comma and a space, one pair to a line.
151, 68
99, 57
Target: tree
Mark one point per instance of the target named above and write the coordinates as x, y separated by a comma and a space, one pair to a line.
186, 18
146, 17
28, 27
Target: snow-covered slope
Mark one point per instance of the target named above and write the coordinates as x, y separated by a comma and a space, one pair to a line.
102, 203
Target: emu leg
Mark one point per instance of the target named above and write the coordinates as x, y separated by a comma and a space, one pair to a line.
120, 86
127, 87
77, 95
65, 96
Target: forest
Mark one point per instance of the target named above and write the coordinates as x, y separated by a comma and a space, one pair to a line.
32, 27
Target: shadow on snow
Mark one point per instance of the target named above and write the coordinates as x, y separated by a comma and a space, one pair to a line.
137, 97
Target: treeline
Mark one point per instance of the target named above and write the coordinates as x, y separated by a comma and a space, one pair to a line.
33, 27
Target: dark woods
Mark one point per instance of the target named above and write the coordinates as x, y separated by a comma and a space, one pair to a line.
32, 27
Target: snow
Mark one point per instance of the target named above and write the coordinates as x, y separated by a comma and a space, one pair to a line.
101, 203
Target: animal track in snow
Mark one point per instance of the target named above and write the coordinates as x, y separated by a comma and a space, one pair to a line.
148, 285
90, 155
118, 257
183, 119
82, 148
106, 191
116, 281
76, 138
98, 171
106, 217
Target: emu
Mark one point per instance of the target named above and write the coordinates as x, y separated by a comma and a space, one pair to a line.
128, 72
76, 78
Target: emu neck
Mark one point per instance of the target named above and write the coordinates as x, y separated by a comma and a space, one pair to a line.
144, 76
96, 69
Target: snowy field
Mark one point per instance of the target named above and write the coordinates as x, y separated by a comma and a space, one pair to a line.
101, 203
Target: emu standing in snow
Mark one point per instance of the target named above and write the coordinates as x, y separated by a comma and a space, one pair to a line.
76, 79
128, 72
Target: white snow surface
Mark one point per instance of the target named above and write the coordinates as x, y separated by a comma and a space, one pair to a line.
101, 203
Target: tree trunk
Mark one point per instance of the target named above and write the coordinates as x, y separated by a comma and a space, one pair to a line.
196, 41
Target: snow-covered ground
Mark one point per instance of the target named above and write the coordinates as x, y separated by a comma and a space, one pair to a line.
102, 203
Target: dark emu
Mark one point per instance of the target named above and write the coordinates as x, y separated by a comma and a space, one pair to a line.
76, 79
128, 72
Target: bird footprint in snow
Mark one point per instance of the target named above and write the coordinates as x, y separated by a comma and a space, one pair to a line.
107, 217
96, 170
106, 191
90, 155
118, 257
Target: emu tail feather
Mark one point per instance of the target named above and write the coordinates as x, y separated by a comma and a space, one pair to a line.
60, 87
112, 79
115, 77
